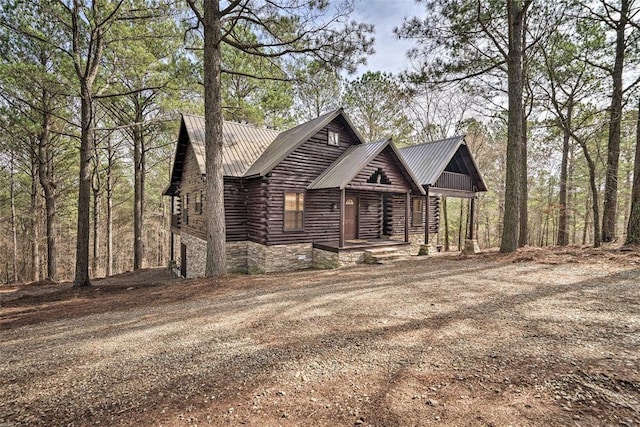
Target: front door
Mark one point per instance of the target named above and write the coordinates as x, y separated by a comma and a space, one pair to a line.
350, 218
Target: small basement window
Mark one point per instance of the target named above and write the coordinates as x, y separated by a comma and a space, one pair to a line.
416, 212
334, 138
293, 211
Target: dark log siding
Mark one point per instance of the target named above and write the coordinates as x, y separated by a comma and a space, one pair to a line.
398, 215
191, 182
235, 209
235, 203
294, 174
370, 215
386, 162
256, 213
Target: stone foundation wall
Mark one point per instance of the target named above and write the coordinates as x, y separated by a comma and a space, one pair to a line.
251, 257
267, 259
415, 240
351, 258
237, 257
325, 260
196, 255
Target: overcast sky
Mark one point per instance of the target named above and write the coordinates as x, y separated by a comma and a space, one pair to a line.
391, 53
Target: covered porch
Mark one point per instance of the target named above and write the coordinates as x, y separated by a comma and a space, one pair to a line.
375, 189
446, 168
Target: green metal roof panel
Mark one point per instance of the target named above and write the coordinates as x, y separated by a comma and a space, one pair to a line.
287, 141
347, 166
242, 144
429, 160
352, 161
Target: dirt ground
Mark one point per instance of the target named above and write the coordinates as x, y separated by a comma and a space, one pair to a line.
542, 337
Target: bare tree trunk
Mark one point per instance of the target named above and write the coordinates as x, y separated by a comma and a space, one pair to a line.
216, 230
523, 211
14, 232
87, 56
109, 191
587, 219
594, 194
97, 202
84, 188
615, 111
96, 186
138, 190
35, 221
513, 175
563, 237
633, 227
47, 182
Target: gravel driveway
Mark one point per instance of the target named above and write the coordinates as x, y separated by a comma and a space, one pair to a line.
537, 338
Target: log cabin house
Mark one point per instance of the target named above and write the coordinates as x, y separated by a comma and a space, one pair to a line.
316, 195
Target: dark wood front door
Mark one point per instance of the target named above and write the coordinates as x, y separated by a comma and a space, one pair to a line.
350, 218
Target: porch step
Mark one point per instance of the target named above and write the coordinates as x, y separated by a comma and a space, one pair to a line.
381, 255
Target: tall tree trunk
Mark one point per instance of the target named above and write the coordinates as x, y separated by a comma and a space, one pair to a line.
14, 228
633, 227
513, 175
87, 145
216, 231
587, 218
594, 194
47, 182
563, 236
96, 187
138, 190
523, 211
97, 202
615, 118
86, 69
35, 220
109, 194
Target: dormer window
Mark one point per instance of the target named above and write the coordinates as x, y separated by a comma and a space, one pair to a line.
334, 138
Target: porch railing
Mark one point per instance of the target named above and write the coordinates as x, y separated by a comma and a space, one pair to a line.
455, 181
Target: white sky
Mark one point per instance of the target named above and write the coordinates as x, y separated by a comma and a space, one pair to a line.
385, 15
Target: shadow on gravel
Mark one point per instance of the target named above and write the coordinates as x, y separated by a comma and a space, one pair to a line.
253, 314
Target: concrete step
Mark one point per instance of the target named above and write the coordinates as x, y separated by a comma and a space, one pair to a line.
379, 255
393, 260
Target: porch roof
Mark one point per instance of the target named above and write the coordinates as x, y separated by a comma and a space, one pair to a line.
353, 160
429, 160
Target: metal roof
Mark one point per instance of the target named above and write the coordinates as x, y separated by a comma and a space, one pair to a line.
430, 159
289, 140
352, 161
242, 144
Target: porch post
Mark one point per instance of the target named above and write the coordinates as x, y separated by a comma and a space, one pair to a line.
471, 218
406, 217
341, 238
171, 237
426, 216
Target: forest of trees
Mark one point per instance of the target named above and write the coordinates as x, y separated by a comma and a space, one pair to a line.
91, 92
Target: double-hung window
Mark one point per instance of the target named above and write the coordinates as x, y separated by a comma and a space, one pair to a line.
416, 212
293, 211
